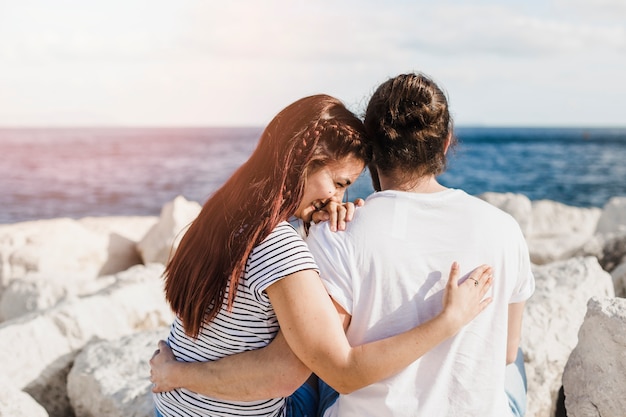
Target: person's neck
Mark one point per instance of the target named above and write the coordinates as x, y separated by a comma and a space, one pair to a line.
422, 185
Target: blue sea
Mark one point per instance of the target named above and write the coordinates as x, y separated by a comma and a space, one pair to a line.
49, 173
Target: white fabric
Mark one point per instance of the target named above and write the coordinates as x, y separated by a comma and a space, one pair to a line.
389, 270
252, 324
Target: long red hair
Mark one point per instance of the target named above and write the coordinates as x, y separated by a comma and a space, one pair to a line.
205, 270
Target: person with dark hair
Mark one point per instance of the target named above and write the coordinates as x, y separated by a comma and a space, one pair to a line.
384, 271
242, 272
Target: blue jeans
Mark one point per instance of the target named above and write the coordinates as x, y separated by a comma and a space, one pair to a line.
515, 387
303, 402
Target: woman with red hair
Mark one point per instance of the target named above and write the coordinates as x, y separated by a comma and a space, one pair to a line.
242, 273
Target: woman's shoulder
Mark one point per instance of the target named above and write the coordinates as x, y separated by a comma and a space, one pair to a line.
283, 235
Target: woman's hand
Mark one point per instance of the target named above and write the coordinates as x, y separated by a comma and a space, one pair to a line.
463, 302
337, 213
161, 366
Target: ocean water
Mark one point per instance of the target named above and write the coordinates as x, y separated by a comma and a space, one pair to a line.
49, 173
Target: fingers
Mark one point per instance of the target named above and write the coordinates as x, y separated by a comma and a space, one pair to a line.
454, 275
480, 278
337, 214
484, 303
350, 209
335, 211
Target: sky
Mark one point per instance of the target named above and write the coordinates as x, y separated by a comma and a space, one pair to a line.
239, 62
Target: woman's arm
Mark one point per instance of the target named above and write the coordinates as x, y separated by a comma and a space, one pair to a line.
516, 310
271, 372
315, 332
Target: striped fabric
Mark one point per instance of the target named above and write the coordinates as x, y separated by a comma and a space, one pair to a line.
252, 324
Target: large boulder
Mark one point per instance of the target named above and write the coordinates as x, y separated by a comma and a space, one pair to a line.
111, 378
16, 403
39, 291
37, 349
49, 246
613, 219
78, 249
609, 248
619, 280
551, 321
163, 238
559, 231
123, 233
594, 380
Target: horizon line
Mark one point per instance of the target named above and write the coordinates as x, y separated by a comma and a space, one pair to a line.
254, 126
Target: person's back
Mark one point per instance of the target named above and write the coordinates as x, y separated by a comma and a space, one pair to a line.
390, 277
387, 270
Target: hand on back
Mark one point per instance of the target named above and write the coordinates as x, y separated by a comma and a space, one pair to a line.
462, 302
337, 213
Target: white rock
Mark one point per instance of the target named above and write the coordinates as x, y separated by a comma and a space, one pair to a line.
86, 248
551, 321
49, 246
619, 280
551, 218
517, 205
112, 378
613, 217
559, 231
133, 228
36, 349
123, 234
163, 238
27, 295
594, 380
16, 403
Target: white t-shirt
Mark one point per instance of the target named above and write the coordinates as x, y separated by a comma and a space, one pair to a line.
389, 270
252, 324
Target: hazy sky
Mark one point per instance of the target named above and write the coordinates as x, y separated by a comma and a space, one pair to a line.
238, 62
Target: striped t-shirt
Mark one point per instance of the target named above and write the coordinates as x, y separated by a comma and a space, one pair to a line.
252, 324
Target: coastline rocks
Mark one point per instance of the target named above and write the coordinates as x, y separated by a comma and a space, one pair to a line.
122, 235
594, 380
163, 238
83, 306
38, 292
551, 321
49, 246
76, 249
17, 403
36, 350
110, 378
559, 231
553, 231
613, 217
609, 248
619, 280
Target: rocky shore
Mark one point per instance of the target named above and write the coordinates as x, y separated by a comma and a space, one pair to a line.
81, 309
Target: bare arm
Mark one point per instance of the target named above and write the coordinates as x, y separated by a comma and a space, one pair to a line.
516, 310
315, 332
271, 372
